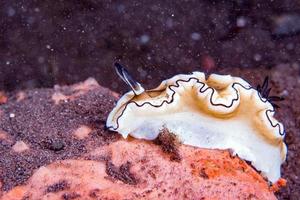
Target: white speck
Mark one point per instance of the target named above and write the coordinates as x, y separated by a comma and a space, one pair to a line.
49, 47
64, 28
169, 23
241, 22
290, 46
142, 72
257, 57
149, 57
30, 20
121, 8
284, 93
7, 62
172, 15
11, 115
11, 12
144, 39
196, 36
24, 9
36, 10
155, 7
41, 59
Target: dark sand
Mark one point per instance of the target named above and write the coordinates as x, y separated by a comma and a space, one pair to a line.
47, 128
43, 43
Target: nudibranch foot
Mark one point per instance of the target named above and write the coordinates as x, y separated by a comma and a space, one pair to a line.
220, 112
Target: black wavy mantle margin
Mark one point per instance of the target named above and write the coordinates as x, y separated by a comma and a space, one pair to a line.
176, 85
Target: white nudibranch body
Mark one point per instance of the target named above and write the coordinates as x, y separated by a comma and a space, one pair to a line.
221, 112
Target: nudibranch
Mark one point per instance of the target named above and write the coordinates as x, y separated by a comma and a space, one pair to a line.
220, 112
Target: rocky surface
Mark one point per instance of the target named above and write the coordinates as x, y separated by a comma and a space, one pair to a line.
54, 145
44, 126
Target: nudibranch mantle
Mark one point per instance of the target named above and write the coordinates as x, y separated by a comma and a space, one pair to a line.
221, 112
